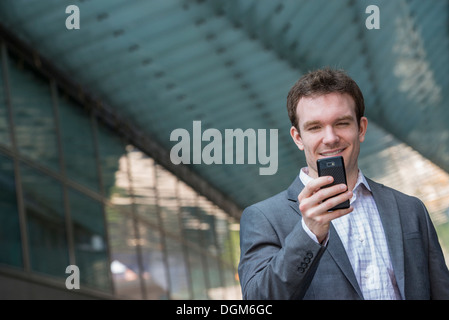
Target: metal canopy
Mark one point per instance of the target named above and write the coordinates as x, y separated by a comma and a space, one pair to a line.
160, 65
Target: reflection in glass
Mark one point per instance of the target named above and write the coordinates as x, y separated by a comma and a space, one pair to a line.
44, 209
110, 150
198, 273
177, 269
124, 262
4, 125
143, 175
90, 241
165, 241
10, 244
154, 274
33, 115
77, 143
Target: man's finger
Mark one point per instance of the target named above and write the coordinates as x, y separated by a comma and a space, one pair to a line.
334, 201
313, 186
329, 192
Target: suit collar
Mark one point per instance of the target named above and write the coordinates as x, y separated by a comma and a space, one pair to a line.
292, 194
295, 189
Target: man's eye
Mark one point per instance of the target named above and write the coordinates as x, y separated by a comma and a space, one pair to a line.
314, 128
343, 124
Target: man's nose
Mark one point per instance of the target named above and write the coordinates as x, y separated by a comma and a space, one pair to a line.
330, 136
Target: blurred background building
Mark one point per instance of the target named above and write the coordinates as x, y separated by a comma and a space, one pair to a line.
86, 116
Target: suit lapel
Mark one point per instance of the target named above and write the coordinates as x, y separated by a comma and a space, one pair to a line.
338, 253
335, 246
389, 215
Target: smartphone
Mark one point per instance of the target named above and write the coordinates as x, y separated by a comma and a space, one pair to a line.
335, 167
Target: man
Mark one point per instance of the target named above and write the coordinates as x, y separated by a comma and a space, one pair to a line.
383, 247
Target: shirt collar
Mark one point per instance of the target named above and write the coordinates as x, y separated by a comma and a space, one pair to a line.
305, 178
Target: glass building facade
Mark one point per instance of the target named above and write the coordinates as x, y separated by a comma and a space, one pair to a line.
74, 192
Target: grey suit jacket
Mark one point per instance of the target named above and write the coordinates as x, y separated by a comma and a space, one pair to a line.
280, 261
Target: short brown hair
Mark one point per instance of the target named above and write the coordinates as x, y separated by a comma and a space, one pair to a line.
321, 82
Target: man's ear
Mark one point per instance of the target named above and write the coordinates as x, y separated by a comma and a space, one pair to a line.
362, 128
296, 136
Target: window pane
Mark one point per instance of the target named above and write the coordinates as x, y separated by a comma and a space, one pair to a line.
33, 115
143, 173
4, 122
10, 244
198, 274
176, 249
46, 223
193, 229
155, 276
90, 241
124, 265
228, 242
77, 143
179, 284
111, 150
142, 170
121, 226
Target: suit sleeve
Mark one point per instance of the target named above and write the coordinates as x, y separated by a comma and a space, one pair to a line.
270, 268
438, 271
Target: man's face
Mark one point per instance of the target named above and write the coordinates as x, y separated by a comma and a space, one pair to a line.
328, 127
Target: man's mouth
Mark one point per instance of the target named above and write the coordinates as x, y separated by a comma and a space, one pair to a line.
331, 153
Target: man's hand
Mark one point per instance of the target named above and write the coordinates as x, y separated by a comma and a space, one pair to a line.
315, 212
